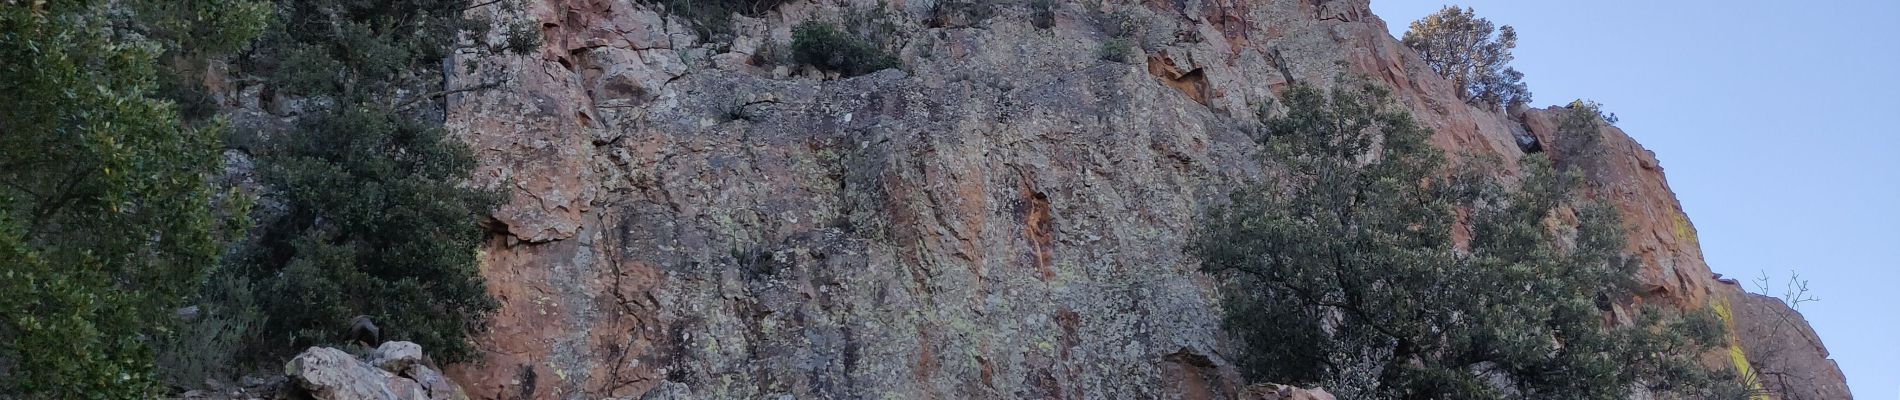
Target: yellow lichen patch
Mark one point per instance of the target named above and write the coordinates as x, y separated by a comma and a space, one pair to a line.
1685, 233
1735, 354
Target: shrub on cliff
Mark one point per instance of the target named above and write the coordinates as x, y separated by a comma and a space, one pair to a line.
1118, 50
825, 46
106, 219
1473, 53
377, 215
1579, 139
1345, 272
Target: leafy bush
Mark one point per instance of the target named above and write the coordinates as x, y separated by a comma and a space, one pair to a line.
829, 48
377, 217
1345, 272
106, 222
1578, 143
1473, 53
522, 37
1118, 50
377, 224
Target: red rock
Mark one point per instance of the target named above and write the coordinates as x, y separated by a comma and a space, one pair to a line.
1003, 218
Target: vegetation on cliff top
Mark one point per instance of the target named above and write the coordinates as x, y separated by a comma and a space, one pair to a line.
1474, 53
828, 48
1346, 271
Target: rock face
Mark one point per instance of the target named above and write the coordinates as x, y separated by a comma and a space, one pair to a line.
1783, 351
1004, 218
1283, 392
1768, 339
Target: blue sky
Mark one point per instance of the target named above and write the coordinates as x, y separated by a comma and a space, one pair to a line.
1777, 122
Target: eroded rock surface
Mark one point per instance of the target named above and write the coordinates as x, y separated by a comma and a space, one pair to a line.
1002, 218
395, 371
1783, 351
1284, 392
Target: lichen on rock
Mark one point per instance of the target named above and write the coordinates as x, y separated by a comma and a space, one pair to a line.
1002, 217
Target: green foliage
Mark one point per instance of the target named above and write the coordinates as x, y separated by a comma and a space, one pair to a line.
1345, 272
105, 216
1124, 27
1579, 135
829, 48
377, 224
1119, 50
1597, 108
353, 50
192, 34
1473, 53
377, 216
523, 37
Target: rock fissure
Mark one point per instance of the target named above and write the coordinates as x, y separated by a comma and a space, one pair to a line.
1004, 218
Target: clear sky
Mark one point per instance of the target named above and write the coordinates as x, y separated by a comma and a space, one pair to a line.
1777, 123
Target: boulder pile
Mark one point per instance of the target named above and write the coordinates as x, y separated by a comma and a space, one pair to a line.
394, 371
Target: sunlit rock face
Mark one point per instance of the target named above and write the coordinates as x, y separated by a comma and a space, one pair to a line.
1004, 217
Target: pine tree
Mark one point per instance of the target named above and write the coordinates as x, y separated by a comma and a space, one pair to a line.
1474, 53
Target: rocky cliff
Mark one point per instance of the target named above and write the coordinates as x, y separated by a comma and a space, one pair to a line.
1002, 218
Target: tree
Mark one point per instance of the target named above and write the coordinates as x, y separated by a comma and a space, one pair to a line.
1776, 340
106, 220
378, 223
1345, 271
1580, 137
825, 46
1473, 53
378, 216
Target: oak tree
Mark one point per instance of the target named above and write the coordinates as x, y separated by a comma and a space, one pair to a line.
1344, 270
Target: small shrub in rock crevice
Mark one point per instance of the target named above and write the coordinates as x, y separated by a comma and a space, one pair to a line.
1118, 50
1123, 28
829, 48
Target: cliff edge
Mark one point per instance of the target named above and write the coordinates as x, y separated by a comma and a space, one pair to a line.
1003, 217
